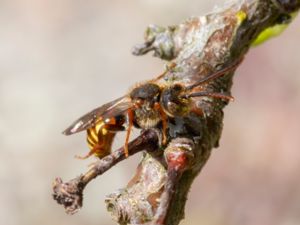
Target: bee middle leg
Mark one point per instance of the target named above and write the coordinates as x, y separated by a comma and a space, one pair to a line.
96, 149
164, 119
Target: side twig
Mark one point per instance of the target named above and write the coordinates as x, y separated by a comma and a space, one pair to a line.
70, 194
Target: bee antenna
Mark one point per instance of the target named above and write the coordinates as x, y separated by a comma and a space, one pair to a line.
210, 94
217, 74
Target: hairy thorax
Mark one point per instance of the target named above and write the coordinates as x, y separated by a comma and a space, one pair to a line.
147, 118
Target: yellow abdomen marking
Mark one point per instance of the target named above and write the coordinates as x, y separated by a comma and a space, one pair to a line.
92, 137
100, 138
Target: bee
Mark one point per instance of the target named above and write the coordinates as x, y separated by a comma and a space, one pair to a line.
148, 105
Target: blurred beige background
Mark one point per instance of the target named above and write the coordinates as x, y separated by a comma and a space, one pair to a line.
61, 58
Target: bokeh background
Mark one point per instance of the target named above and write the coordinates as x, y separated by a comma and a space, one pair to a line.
61, 58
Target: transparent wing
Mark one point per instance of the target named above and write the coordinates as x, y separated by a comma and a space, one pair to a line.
109, 110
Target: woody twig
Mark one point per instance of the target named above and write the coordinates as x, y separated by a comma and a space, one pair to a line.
70, 194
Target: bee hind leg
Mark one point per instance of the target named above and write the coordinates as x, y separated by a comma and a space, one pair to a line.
90, 153
96, 149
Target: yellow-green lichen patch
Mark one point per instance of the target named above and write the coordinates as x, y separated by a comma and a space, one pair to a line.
273, 31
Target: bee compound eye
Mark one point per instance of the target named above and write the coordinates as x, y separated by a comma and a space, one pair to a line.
172, 107
170, 104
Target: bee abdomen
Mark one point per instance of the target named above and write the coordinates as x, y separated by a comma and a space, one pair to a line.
92, 137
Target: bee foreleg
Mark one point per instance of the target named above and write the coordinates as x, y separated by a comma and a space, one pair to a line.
179, 156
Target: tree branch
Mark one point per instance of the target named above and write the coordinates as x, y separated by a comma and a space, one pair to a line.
70, 194
198, 47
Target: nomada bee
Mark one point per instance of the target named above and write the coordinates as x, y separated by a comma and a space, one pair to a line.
147, 106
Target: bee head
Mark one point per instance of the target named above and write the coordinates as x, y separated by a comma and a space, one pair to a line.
173, 101
148, 93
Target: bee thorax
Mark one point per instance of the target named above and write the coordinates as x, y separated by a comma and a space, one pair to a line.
146, 118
